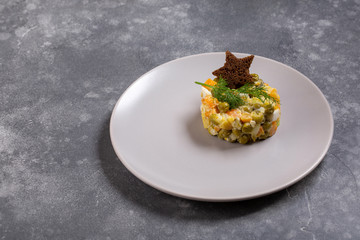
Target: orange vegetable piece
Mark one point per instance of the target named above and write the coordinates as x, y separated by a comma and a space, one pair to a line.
261, 132
245, 117
234, 113
273, 128
210, 82
210, 104
274, 94
209, 101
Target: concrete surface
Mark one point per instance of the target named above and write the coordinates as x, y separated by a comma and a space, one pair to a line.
63, 66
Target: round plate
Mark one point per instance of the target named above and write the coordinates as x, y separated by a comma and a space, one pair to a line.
157, 133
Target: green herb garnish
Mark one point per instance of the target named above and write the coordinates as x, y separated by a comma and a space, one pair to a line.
233, 96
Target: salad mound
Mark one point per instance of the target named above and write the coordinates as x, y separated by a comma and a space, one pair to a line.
238, 106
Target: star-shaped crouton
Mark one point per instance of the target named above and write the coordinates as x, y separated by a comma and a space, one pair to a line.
235, 70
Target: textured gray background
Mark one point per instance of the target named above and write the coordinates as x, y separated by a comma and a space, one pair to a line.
63, 66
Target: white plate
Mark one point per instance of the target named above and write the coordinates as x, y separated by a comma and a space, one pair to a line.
157, 133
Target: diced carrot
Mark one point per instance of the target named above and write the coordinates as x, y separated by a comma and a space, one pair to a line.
245, 117
210, 82
274, 94
209, 100
203, 100
260, 132
208, 113
273, 128
234, 113
209, 104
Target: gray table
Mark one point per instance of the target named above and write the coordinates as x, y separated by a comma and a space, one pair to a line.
63, 66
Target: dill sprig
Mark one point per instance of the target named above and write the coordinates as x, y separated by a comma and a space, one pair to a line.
233, 96
256, 91
224, 93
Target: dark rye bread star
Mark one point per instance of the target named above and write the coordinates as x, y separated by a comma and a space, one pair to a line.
235, 70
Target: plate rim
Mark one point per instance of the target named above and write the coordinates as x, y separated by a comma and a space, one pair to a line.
223, 199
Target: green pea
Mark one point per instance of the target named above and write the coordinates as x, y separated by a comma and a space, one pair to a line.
266, 126
268, 117
257, 103
255, 76
224, 133
269, 111
247, 108
257, 116
264, 136
223, 107
247, 128
269, 107
243, 139
237, 133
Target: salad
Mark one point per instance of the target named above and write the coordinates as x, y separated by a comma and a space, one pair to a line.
237, 106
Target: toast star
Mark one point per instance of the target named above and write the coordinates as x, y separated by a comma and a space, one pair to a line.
235, 70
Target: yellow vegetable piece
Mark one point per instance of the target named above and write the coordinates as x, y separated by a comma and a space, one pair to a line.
227, 123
